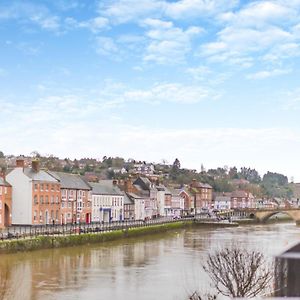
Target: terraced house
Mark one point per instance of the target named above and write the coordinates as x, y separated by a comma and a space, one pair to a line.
5, 202
201, 195
35, 195
107, 201
75, 198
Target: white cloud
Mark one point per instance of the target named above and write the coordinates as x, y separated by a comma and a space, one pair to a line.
168, 44
95, 25
68, 126
259, 14
291, 100
268, 73
122, 11
170, 92
194, 8
48, 23
199, 73
106, 46
260, 30
29, 13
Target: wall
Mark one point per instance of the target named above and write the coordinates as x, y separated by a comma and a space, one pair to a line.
21, 196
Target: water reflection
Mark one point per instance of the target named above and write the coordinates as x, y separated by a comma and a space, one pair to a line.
165, 266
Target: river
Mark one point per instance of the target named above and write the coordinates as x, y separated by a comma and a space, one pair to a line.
162, 266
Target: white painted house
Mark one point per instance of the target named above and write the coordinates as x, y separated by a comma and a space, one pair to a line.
35, 195
222, 203
107, 202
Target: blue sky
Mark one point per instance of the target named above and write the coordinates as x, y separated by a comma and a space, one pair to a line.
212, 82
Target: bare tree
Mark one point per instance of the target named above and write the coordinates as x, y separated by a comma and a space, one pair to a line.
239, 272
197, 296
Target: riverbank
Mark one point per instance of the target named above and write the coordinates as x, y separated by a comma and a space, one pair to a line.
58, 241
70, 240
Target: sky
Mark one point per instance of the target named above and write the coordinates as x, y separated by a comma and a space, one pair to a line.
210, 82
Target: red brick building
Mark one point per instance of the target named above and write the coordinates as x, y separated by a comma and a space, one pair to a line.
5, 202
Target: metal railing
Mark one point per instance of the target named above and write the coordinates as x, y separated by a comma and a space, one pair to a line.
30, 231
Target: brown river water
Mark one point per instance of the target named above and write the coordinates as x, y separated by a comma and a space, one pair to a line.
162, 266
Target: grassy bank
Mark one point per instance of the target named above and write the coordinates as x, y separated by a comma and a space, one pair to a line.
47, 242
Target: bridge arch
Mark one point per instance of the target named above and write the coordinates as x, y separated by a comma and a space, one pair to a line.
263, 216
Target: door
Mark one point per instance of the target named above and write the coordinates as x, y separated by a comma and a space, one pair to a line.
6, 216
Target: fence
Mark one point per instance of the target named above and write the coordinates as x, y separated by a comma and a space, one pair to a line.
30, 231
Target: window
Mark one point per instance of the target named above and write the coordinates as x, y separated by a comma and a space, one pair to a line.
62, 204
36, 187
41, 215
69, 204
47, 199
56, 215
52, 199
57, 200
35, 199
52, 188
52, 214
47, 187
42, 199
42, 187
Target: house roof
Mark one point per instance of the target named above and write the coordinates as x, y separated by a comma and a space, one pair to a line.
105, 187
4, 182
127, 200
135, 196
175, 192
239, 194
197, 185
222, 198
41, 175
70, 181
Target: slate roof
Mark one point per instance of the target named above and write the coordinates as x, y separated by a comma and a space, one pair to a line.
105, 187
127, 200
70, 181
222, 198
239, 194
41, 175
135, 196
201, 185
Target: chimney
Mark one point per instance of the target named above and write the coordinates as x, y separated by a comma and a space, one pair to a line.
194, 183
3, 173
35, 165
20, 163
128, 186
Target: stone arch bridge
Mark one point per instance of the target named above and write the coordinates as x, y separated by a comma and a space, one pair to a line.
262, 215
